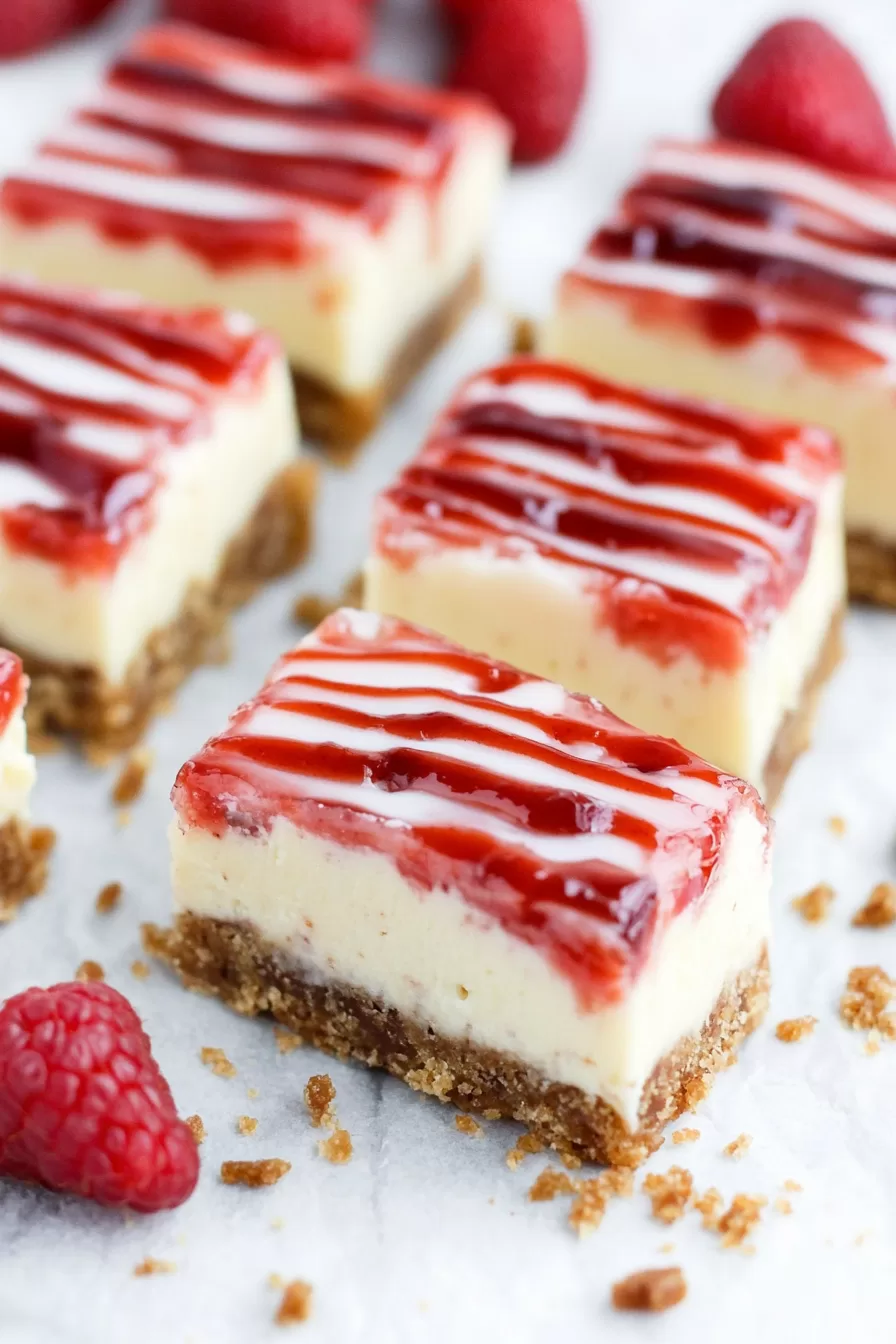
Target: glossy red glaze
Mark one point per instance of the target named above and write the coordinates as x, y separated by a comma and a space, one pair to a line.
12, 686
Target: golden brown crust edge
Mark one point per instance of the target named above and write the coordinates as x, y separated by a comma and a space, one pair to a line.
795, 733
24, 857
73, 699
871, 569
230, 961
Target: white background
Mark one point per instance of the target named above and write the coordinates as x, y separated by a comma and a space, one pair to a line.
426, 1235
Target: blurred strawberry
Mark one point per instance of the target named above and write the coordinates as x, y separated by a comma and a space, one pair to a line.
322, 30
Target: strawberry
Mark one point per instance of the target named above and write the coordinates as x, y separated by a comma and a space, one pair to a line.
324, 30
800, 90
83, 1106
530, 57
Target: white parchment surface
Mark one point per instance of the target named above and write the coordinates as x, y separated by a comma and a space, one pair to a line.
426, 1235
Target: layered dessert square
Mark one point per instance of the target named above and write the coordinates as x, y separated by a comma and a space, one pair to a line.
150, 479
423, 859
24, 849
679, 561
735, 272
344, 213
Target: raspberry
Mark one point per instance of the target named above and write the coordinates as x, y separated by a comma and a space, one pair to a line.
28, 25
800, 90
530, 57
83, 1106
321, 30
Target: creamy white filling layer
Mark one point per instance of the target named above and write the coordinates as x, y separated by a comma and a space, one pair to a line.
537, 614
343, 314
213, 486
770, 374
348, 916
17, 769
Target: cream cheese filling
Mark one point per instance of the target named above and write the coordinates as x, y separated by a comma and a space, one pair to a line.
17, 769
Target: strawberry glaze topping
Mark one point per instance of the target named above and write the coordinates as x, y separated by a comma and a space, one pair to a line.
241, 156
579, 834
746, 242
689, 525
12, 686
95, 391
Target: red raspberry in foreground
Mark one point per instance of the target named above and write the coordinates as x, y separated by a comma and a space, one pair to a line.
83, 1106
800, 90
315, 30
530, 57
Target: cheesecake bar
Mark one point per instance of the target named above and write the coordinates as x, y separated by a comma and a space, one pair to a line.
24, 849
681, 562
423, 859
150, 479
344, 213
740, 273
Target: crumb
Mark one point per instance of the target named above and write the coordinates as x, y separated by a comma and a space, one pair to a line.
793, 1186
550, 1184
278, 1224
252, 1093
650, 1290
217, 1061
246, 1124
491, 1114
462, 992
667, 1247
593, 1196
129, 784
123, 817
837, 825
276, 1281
795, 1028
739, 1219
467, 1125
709, 1205
196, 1127
152, 1266
109, 898
696, 1089
287, 1041
311, 608
319, 1097
872, 1044
669, 1193
864, 1005
139, 969
523, 1147
433, 1079
814, 905
737, 1147
90, 970
295, 1305
525, 336
571, 1161
782, 1205
338, 1147
879, 910
686, 1136
267, 1171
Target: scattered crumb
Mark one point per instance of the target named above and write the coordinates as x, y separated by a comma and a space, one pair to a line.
739, 1219
782, 1205
593, 1195
491, 1114
287, 1041
795, 1028
550, 1184
525, 335
709, 1205
319, 1097
337, 1148
109, 898
462, 992
252, 1093
217, 1061
793, 1186
246, 1124
129, 784
467, 1125
196, 1127
686, 1136
737, 1147
90, 970
669, 1193
814, 905
650, 1290
276, 1281
837, 825
433, 1079
152, 1266
311, 608
524, 1147
696, 1090
295, 1305
880, 908
667, 1247
123, 817
872, 1044
864, 1005
267, 1171
571, 1161
139, 969
278, 1224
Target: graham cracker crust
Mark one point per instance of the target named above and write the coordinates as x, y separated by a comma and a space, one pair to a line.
232, 962
795, 733
68, 698
341, 421
24, 857
871, 569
